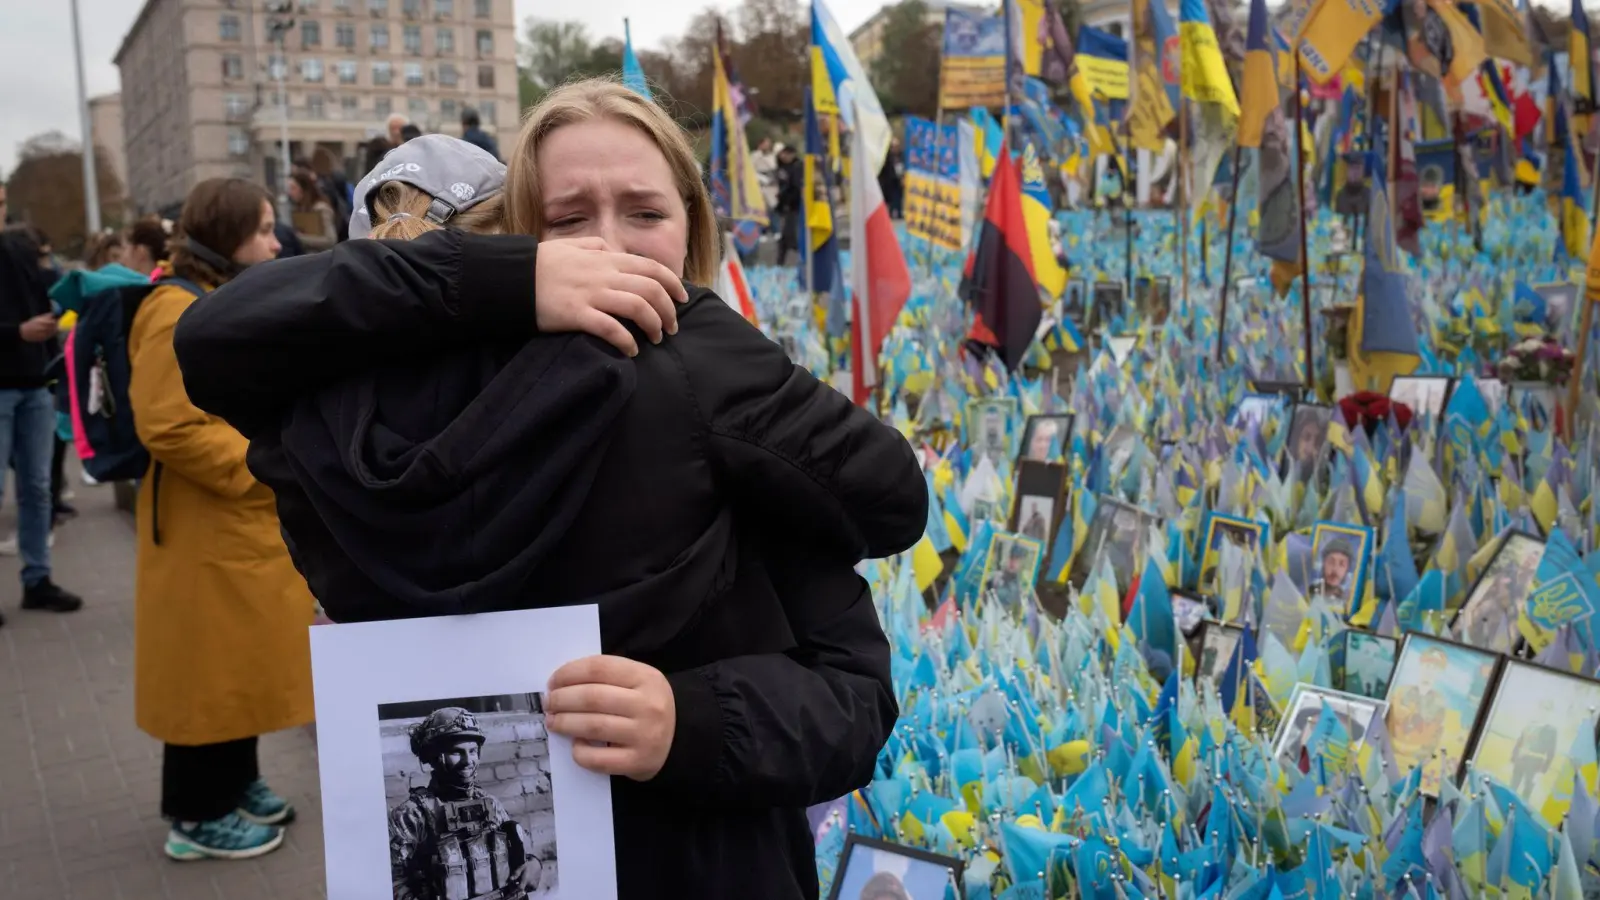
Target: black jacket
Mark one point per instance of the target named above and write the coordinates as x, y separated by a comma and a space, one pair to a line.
791, 178
480, 138
24, 293
709, 495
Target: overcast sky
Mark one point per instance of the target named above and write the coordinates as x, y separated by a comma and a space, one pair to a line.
41, 86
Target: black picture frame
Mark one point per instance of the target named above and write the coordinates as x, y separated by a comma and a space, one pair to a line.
955, 866
1472, 592
1040, 479
1105, 513
1206, 628
1066, 422
1106, 302
1497, 665
1449, 389
1503, 682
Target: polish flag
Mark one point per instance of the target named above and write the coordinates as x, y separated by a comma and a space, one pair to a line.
879, 278
732, 285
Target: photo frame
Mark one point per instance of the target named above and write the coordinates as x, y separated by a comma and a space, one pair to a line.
1533, 722
1047, 438
1040, 501
1307, 442
1436, 698
372, 695
989, 425
1368, 663
1255, 409
1075, 299
1303, 711
1341, 582
1425, 394
1108, 301
1190, 612
900, 872
1217, 527
1560, 301
1118, 529
1488, 618
1011, 568
1218, 643
1291, 391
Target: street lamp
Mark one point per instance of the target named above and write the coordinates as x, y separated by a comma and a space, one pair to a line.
91, 187
279, 22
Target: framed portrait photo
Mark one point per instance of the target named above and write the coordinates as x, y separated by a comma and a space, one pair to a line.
989, 427
1190, 612
1339, 554
1218, 643
1560, 300
877, 870
1254, 410
1425, 394
1488, 618
1218, 529
1303, 714
1307, 444
1041, 500
1011, 568
1108, 301
1536, 726
1368, 663
1047, 439
1291, 391
1117, 533
1075, 300
1436, 697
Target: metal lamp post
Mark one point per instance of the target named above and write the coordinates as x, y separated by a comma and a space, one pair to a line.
91, 187
279, 23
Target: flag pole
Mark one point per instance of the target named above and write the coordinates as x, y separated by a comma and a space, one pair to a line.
1305, 256
1585, 330
1183, 198
1227, 254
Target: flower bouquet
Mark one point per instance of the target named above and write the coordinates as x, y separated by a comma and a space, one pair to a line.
1540, 359
1369, 409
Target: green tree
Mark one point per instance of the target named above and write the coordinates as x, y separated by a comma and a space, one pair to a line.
553, 51
906, 72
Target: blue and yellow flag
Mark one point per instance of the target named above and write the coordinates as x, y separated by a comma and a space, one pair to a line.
632, 75
735, 187
1330, 33
1580, 47
820, 248
1259, 84
1383, 333
1205, 74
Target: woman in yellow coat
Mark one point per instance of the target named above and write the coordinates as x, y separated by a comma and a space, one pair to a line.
223, 618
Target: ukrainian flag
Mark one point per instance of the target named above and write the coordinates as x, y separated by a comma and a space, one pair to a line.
735, 187
1205, 75
1579, 50
1036, 211
1259, 83
632, 74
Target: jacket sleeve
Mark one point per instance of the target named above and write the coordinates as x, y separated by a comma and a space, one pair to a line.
178, 434
793, 449
284, 328
788, 729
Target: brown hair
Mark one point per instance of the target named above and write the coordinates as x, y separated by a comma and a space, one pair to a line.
97, 251
150, 234
220, 214
310, 194
398, 210
606, 98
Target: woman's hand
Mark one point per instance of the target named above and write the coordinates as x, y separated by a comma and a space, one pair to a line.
580, 284
619, 713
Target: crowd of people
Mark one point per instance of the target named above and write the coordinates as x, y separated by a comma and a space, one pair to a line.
710, 496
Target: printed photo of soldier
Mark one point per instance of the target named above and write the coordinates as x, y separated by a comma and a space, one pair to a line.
471, 811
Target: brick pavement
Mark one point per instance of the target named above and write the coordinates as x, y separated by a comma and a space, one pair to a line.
79, 783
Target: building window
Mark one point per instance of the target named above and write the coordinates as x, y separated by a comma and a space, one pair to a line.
413, 38
232, 65
485, 42
481, 7
1115, 28
347, 71
238, 141
414, 74
447, 110
311, 69
315, 107
380, 37
412, 8
228, 28
418, 108
382, 72
311, 33
444, 40
350, 104
378, 7
344, 34
444, 9
381, 107
276, 67
447, 74
341, 6
237, 105
486, 113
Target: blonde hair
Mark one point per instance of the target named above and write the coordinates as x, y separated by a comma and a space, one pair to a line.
606, 98
398, 210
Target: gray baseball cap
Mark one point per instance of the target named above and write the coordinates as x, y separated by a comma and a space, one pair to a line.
456, 174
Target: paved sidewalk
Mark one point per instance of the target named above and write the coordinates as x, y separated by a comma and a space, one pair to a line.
79, 783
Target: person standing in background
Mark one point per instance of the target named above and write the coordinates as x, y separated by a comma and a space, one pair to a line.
27, 411
765, 160
313, 214
395, 124
147, 244
892, 180
790, 206
472, 132
222, 618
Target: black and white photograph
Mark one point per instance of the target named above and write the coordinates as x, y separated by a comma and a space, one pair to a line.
1488, 619
1041, 492
1254, 410
1046, 438
1308, 440
439, 777
1303, 713
469, 797
1034, 517
1011, 568
989, 427
1117, 533
1075, 300
1426, 395
1218, 643
1108, 303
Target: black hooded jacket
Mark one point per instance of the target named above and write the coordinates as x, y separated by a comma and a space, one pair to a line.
24, 294
432, 455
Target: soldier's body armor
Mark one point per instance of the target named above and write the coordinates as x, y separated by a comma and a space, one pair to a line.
473, 858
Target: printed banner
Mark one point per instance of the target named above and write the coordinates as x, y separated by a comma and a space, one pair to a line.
933, 179
972, 70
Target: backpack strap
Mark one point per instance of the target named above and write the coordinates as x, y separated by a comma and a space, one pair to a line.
184, 283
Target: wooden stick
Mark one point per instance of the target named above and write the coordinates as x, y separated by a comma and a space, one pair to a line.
1183, 199
1227, 254
1575, 383
1305, 255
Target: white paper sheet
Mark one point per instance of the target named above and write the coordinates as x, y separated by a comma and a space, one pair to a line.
495, 663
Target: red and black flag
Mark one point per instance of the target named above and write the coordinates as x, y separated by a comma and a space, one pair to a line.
998, 280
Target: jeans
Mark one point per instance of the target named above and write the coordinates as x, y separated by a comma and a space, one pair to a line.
27, 437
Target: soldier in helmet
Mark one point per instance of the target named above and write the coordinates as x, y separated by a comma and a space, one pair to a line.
450, 840
1337, 562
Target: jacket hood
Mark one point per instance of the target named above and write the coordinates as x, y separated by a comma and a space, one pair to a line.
447, 482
